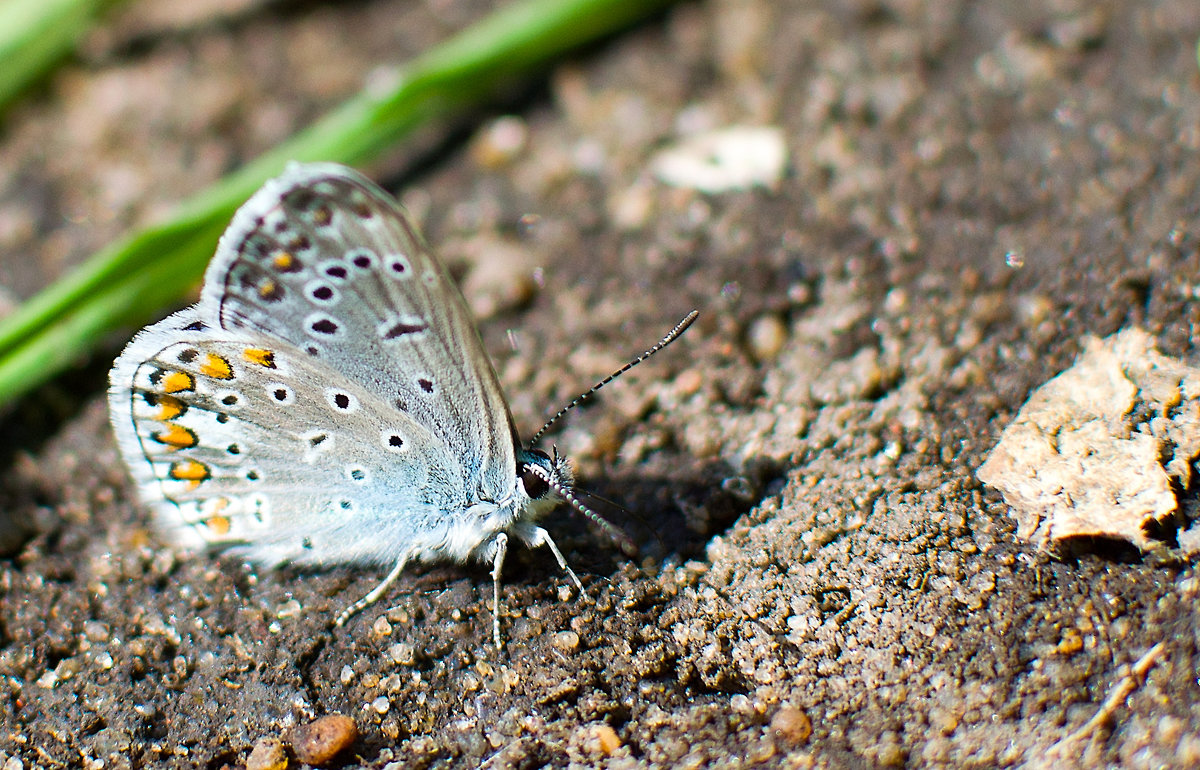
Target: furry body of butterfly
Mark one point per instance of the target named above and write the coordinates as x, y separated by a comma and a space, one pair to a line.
328, 400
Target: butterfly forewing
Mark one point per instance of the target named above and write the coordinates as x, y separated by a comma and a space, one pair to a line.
326, 261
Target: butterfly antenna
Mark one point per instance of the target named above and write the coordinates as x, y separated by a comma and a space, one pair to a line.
621, 538
679, 329
591, 499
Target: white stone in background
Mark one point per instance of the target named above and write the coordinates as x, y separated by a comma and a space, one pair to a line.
732, 158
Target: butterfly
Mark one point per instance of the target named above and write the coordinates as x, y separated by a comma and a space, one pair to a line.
329, 401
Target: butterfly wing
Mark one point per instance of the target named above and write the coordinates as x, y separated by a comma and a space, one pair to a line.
328, 400
328, 250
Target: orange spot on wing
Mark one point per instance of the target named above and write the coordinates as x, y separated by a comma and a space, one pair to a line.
169, 408
216, 367
269, 290
260, 356
177, 382
218, 525
189, 470
283, 261
214, 506
176, 436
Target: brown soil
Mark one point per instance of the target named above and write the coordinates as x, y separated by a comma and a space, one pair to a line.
971, 189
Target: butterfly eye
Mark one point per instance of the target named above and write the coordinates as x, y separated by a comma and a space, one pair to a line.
534, 483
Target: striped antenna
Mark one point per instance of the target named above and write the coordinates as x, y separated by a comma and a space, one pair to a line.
625, 541
680, 328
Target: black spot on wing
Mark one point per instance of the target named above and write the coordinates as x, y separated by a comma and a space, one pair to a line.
403, 328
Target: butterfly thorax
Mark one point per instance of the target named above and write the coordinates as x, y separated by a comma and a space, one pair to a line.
534, 494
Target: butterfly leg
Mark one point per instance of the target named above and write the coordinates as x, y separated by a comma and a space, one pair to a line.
542, 537
374, 594
501, 542
538, 537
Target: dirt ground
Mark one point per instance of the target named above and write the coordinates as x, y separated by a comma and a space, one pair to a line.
971, 189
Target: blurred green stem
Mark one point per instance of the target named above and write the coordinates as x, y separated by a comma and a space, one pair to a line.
130, 280
36, 34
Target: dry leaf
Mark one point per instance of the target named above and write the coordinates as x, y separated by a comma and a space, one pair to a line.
1100, 449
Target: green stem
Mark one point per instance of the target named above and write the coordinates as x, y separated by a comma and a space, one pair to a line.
36, 34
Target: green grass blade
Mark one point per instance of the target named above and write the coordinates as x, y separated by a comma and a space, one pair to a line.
35, 35
130, 280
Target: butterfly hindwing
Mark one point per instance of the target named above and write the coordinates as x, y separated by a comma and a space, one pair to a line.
247, 442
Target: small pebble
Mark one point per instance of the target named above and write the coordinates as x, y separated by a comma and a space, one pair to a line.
267, 754
289, 609
501, 277
732, 158
95, 631
381, 627
742, 704
791, 725
688, 382
318, 742
500, 142
567, 641
601, 739
402, 654
766, 337
632, 208
1071, 642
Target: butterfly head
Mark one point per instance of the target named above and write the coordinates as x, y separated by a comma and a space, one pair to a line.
548, 480
545, 479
